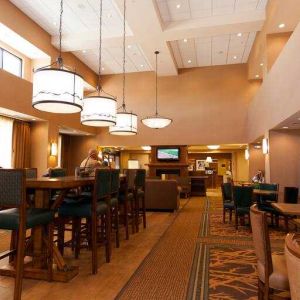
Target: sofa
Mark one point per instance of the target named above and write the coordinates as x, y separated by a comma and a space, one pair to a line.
162, 195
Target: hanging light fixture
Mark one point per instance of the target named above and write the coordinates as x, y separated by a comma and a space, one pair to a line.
156, 121
55, 88
99, 110
126, 121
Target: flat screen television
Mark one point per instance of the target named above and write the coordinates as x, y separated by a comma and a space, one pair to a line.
168, 154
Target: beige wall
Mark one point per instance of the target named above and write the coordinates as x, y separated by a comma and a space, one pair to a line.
278, 97
256, 161
241, 166
285, 157
207, 105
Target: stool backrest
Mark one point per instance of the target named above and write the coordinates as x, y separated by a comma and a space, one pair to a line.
102, 187
291, 194
242, 196
292, 257
115, 181
31, 173
57, 172
261, 240
140, 179
269, 187
12, 188
226, 191
130, 177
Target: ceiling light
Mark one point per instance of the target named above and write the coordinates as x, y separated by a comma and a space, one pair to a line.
126, 122
156, 121
257, 146
56, 89
99, 110
256, 76
235, 57
178, 5
282, 25
261, 64
33, 119
129, 46
239, 34
285, 127
102, 68
247, 154
109, 16
146, 148
213, 147
189, 61
83, 51
142, 66
185, 40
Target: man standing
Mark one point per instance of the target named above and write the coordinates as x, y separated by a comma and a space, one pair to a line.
91, 163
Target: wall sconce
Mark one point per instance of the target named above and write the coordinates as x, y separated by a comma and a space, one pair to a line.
53, 149
265, 146
247, 154
209, 159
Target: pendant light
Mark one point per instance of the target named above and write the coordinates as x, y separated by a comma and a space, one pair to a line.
55, 88
156, 121
126, 121
99, 111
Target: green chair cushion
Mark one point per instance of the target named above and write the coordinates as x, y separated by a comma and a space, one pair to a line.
129, 196
243, 210
114, 201
81, 209
229, 205
9, 218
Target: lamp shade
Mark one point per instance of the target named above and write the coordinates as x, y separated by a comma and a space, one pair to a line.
99, 111
57, 91
209, 159
126, 124
156, 122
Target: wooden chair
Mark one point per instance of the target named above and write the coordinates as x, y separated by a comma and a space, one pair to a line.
271, 268
17, 218
242, 197
93, 210
228, 204
292, 256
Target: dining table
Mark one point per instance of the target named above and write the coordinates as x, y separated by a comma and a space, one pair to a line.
36, 268
289, 209
264, 192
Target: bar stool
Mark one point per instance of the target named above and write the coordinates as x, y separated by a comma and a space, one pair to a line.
139, 193
93, 210
17, 218
114, 203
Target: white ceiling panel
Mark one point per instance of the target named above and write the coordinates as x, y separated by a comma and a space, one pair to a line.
179, 10
210, 51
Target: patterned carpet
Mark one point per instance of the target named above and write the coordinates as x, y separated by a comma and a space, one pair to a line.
200, 257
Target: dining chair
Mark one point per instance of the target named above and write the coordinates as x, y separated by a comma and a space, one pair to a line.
114, 203
139, 193
292, 256
271, 268
95, 209
17, 217
265, 201
57, 172
228, 204
242, 197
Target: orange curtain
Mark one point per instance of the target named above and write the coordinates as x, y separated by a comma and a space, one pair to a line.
21, 145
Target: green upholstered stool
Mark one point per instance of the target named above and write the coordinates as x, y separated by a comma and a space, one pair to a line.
17, 217
228, 204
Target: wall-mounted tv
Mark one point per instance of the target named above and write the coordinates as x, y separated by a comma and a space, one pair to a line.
168, 154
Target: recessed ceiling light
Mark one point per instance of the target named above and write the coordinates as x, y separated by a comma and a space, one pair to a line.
146, 148
83, 51
189, 61
178, 5
54, 23
33, 119
185, 40
285, 127
239, 34
261, 64
213, 147
256, 76
282, 25
109, 15
102, 69
235, 57
142, 66
129, 46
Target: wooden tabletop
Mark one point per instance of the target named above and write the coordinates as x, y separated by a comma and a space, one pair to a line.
287, 208
264, 192
67, 182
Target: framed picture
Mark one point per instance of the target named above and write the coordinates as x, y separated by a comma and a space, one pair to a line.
191, 167
200, 165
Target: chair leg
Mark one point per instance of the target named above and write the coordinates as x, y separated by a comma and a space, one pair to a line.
224, 212
132, 211
116, 211
286, 222
50, 250
260, 292
126, 219
94, 245
236, 221
107, 236
230, 215
13, 244
137, 213
77, 235
61, 235
144, 212
20, 263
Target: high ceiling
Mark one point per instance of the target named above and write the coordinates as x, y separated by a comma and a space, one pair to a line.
188, 33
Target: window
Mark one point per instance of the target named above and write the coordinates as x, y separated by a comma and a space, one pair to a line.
10, 62
6, 130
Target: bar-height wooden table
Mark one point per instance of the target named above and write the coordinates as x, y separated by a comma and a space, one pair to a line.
287, 208
37, 269
264, 192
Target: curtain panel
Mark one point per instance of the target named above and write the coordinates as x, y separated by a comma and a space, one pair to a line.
21, 145
6, 129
